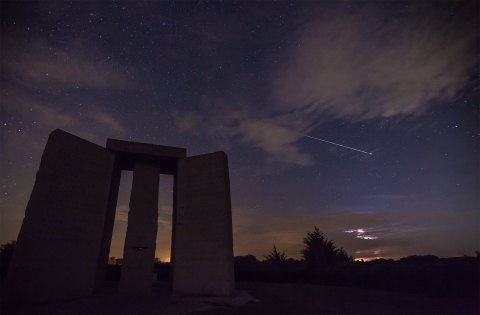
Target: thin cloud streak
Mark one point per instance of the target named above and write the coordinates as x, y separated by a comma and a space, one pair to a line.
68, 67
355, 65
47, 117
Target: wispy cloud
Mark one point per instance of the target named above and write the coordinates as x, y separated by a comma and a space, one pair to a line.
276, 135
277, 139
106, 119
362, 234
359, 65
46, 117
389, 197
69, 66
37, 84
388, 230
187, 121
356, 64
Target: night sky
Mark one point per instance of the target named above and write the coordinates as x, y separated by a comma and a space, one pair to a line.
398, 79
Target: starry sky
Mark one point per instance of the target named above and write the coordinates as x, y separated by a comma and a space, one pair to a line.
395, 78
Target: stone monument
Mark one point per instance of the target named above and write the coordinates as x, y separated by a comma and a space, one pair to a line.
63, 245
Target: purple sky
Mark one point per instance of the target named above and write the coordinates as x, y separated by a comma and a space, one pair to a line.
398, 79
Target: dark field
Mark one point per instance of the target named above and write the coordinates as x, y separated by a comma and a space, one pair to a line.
277, 298
265, 298
413, 285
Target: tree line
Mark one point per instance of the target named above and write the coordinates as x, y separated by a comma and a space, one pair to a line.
324, 263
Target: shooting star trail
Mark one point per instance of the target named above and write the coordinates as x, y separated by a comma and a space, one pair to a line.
340, 145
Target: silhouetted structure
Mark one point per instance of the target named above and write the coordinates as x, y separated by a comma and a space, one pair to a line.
70, 215
6, 253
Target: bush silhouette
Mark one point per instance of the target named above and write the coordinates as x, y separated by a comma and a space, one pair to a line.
276, 257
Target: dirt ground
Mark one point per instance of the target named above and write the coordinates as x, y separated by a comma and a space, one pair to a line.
261, 298
274, 298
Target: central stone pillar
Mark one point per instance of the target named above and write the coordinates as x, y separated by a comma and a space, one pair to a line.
140, 241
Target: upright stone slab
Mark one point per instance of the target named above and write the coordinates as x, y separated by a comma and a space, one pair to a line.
202, 245
59, 245
139, 251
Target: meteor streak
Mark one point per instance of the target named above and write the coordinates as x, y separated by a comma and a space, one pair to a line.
340, 145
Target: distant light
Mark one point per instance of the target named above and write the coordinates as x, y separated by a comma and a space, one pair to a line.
366, 237
360, 233
367, 258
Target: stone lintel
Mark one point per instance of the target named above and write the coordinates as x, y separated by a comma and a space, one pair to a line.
127, 153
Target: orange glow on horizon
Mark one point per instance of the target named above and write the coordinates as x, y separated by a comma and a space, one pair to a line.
367, 258
163, 259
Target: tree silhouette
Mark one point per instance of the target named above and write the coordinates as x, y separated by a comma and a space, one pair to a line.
343, 256
275, 256
6, 251
320, 252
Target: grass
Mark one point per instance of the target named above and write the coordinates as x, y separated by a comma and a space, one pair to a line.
271, 298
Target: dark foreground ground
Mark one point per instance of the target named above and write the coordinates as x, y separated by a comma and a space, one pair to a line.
262, 298
317, 299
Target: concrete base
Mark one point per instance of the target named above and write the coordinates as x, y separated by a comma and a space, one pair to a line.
202, 245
